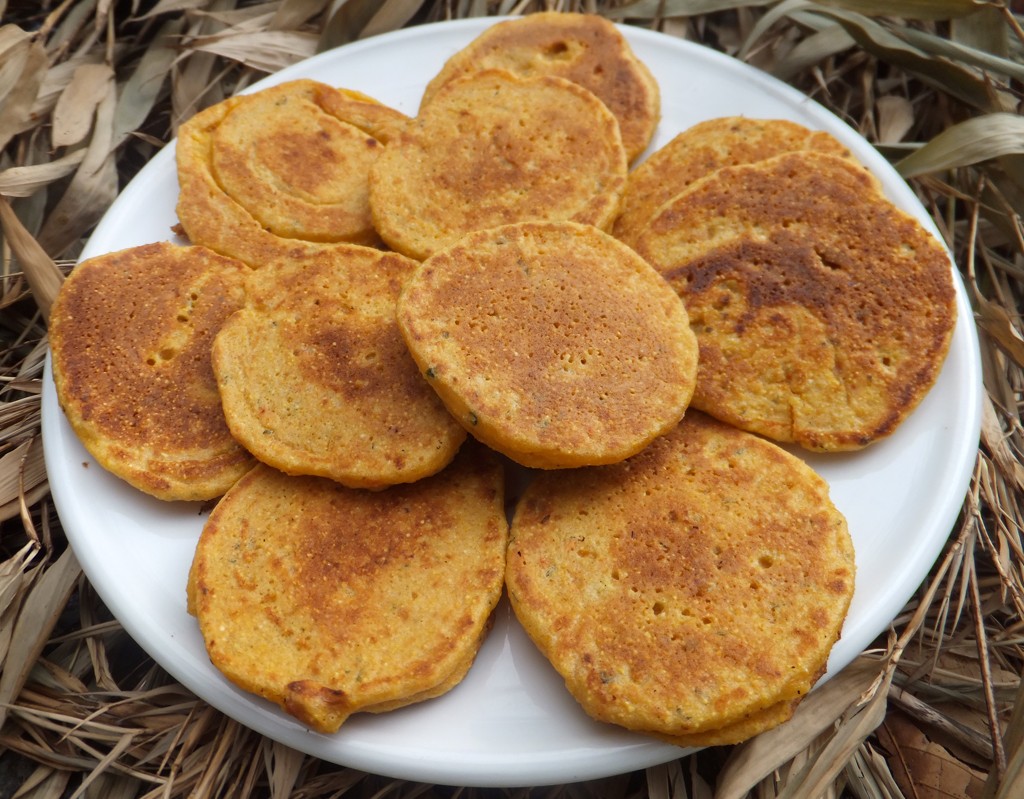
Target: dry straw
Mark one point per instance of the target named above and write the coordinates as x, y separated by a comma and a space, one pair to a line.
91, 89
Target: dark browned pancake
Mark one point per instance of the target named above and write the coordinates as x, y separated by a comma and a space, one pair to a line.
584, 48
700, 150
823, 312
328, 601
130, 334
694, 589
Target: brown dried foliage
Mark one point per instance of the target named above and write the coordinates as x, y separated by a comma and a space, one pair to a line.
90, 89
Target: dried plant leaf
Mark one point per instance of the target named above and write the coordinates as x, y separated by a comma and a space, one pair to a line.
76, 107
911, 9
20, 80
21, 469
293, 13
91, 190
43, 276
974, 140
895, 118
652, 9
930, 770
823, 44
144, 85
752, 761
266, 51
23, 181
345, 23
996, 322
171, 6
963, 82
46, 783
38, 614
390, 16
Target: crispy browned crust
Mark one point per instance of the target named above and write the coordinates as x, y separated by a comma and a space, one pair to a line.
701, 149
315, 378
551, 342
263, 173
695, 587
130, 334
328, 600
584, 48
824, 313
494, 149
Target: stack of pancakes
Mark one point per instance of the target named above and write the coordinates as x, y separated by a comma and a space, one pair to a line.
491, 270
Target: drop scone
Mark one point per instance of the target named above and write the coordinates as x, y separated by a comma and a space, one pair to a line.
315, 378
700, 150
261, 173
328, 600
493, 149
692, 592
823, 312
551, 342
584, 48
130, 336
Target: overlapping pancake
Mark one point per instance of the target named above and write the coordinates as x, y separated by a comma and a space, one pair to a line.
493, 149
823, 312
551, 342
263, 172
328, 600
315, 378
701, 149
695, 589
584, 48
130, 335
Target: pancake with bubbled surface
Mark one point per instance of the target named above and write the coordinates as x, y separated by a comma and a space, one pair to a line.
823, 312
551, 342
315, 378
328, 600
262, 172
694, 589
700, 150
584, 48
130, 336
493, 149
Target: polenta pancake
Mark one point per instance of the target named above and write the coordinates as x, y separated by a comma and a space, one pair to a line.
551, 342
315, 378
493, 149
263, 173
584, 48
694, 591
328, 600
823, 312
130, 336
700, 150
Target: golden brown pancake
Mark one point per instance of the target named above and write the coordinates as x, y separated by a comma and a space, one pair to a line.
493, 149
700, 150
823, 312
328, 600
130, 335
551, 342
263, 172
584, 48
315, 378
696, 588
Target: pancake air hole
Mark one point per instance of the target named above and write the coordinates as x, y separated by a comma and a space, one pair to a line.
765, 561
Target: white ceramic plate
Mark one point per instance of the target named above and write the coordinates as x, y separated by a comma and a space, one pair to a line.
511, 722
